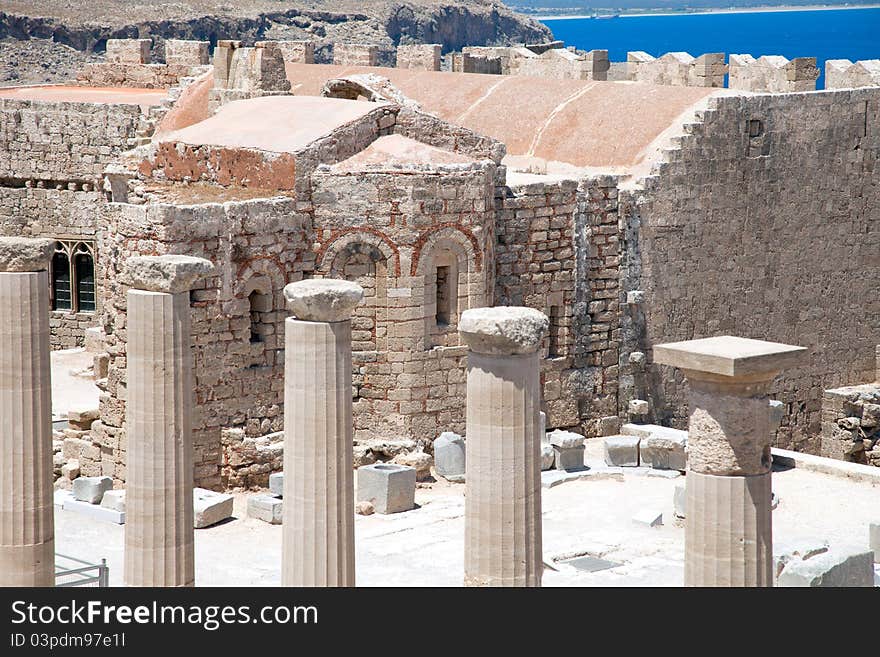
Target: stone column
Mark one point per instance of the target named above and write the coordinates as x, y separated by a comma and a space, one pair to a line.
27, 527
728, 529
318, 524
502, 531
158, 421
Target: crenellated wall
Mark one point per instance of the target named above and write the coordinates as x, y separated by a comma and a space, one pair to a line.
844, 74
678, 69
772, 73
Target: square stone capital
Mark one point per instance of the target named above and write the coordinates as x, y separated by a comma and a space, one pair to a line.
730, 356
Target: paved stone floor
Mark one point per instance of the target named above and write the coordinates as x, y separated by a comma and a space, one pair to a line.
424, 547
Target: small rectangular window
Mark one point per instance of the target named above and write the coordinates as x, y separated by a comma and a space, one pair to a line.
554, 346
444, 297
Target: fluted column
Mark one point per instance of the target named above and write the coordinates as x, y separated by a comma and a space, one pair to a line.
159, 461
318, 524
27, 528
502, 531
728, 528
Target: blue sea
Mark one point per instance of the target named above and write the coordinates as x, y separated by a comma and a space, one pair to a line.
828, 34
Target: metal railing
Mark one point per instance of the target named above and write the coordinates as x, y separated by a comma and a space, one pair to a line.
77, 572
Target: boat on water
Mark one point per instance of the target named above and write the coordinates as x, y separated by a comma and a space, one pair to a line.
604, 16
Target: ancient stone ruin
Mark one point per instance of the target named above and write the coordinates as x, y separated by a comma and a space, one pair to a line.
206, 202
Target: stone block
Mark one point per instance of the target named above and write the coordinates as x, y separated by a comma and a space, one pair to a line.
91, 489
449, 456
678, 501
547, 457
568, 458
70, 470
83, 416
664, 450
874, 540
276, 484
114, 500
835, 568
210, 507
785, 552
622, 450
390, 487
419, 460
649, 518
267, 508
94, 511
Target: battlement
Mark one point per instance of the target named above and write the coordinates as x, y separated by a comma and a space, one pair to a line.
355, 54
679, 69
423, 57
247, 72
128, 64
772, 73
844, 74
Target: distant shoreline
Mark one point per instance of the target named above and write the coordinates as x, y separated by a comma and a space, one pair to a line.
743, 10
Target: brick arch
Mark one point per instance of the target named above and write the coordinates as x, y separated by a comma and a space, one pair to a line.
447, 235
253, 273
357, 240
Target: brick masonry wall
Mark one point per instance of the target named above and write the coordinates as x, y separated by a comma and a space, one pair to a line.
764, 223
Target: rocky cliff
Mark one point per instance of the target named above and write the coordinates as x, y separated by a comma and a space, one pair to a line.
85, 27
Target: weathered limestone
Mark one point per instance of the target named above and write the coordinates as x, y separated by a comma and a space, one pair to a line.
836, 567
449, 456
297, 52
355, 54
422, 56
622, 451
503, 494
91, 489
27, 528
159, 484
772, 73
318, 536
677, 69
180, 52
844, 74
728, 531
389, 487
128, 51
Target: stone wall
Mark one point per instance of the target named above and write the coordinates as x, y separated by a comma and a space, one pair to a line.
355, 54
61, 142
851, 424
772, 73
421, 243
844, 74
549, 62
765, 223
241, 72
557, 251
35, 212
424, 57
678, 69
258, 247
297, 52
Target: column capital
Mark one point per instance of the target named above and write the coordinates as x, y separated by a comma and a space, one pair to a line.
323, 299
727, 358
166, 273
503, 330
25, 254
